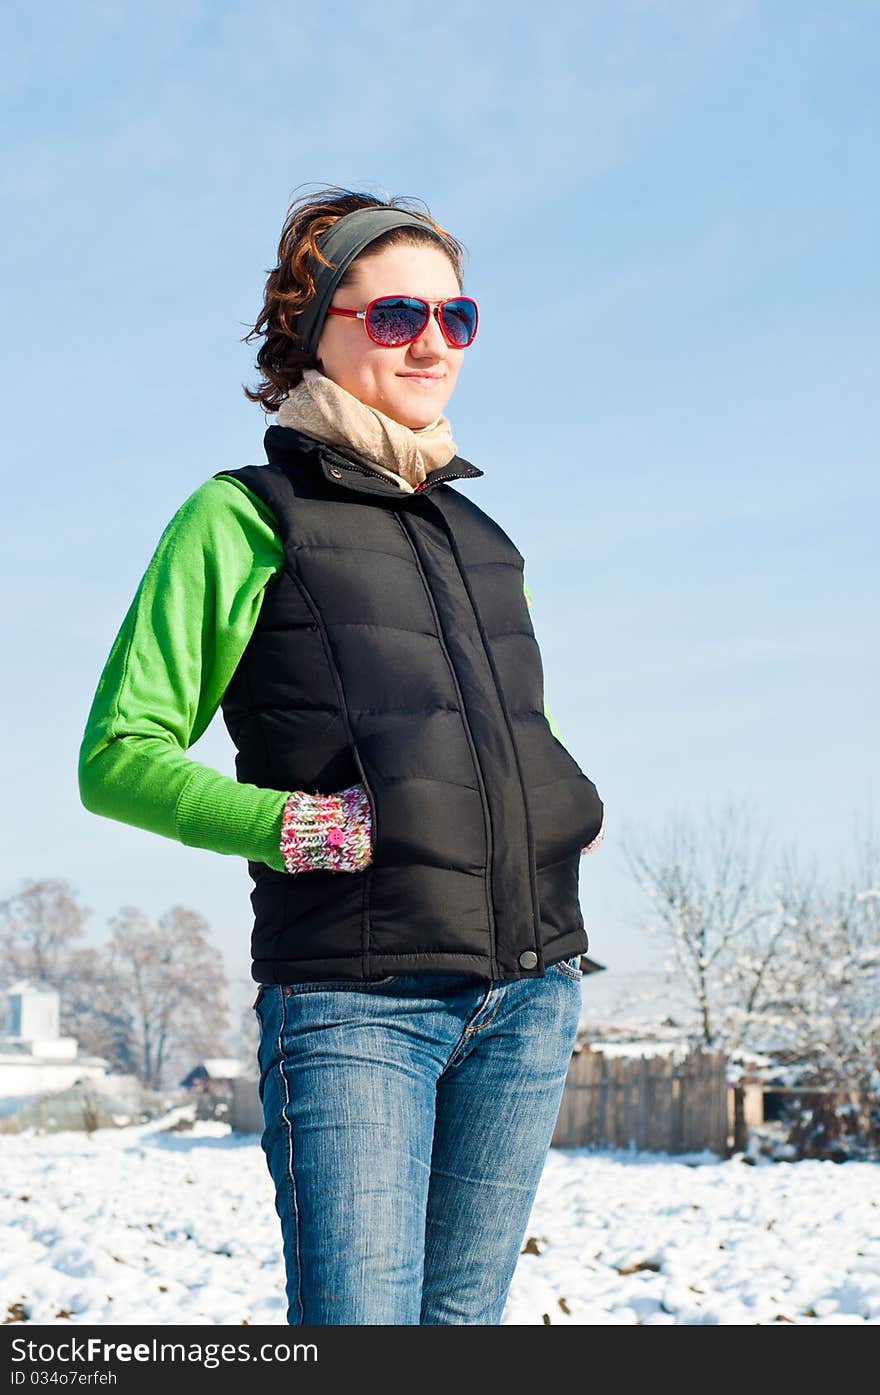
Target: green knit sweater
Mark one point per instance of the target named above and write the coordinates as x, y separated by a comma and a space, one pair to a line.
171, 661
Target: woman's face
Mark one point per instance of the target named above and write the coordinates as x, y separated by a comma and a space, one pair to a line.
412, 384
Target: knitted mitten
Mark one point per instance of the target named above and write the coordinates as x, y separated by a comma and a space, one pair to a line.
326, 832
591, 847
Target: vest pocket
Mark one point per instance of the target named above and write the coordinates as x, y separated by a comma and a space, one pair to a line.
425, 821
374, 834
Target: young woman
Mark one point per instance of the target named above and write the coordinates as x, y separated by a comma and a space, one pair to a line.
412, 824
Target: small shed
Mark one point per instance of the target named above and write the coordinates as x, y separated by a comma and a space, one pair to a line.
211, 1083
211, 1073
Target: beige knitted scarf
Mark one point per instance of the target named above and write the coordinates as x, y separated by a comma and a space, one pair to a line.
321, 407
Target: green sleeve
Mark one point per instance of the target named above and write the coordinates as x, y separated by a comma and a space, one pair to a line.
170, 663
553, 727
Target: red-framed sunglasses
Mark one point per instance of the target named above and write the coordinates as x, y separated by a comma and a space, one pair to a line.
394, 320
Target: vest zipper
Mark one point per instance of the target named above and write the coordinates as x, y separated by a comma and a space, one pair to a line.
490, 659
446, 478
490, 843
365, 470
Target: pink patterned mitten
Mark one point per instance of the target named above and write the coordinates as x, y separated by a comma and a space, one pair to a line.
326, 832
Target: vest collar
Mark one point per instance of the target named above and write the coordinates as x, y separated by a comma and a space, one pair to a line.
344, 466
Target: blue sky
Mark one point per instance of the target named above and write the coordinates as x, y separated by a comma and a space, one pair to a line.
671, 217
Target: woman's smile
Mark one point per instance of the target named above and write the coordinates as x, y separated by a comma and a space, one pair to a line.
374, 373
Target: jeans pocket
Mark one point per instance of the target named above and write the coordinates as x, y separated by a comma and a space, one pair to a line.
336, 985
570, 967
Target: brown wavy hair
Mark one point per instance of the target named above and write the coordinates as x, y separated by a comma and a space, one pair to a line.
290, 283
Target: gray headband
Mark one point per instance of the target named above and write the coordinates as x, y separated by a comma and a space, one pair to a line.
340, 244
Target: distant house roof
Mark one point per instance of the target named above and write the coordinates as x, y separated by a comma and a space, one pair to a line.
591, 966
31, 985
214, 1068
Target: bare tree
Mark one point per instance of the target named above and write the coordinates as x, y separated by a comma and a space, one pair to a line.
173, 984
93, 1011
821, 1001
154, 993
705, 900
40, 926
792, 970
768, 954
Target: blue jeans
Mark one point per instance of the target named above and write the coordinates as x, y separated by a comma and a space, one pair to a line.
407, 1124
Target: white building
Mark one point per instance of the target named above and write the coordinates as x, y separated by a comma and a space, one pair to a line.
34, 1057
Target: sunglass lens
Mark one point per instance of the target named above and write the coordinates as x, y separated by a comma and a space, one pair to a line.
396, 320
460, 321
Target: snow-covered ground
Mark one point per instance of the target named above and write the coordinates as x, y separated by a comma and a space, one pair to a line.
147, 1227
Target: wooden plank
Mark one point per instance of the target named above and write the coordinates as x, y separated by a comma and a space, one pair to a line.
602, 1105
613, 1070
588, 1103
645, 1088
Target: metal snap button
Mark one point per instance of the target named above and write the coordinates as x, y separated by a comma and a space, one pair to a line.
528, 959
337, 474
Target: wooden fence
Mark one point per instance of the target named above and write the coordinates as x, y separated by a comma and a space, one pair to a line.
652, 1102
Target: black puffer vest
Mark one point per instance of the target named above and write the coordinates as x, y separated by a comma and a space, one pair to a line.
395, 648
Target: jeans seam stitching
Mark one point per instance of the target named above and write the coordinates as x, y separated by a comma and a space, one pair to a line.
469, 1031
290, 1172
